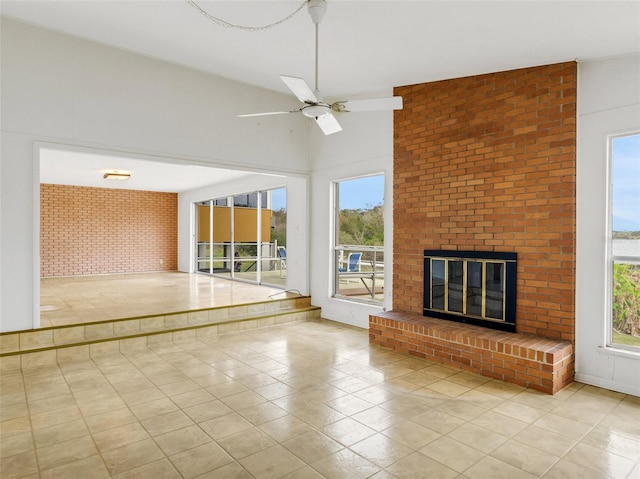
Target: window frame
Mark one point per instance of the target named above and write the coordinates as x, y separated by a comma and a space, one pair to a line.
337, 247
611, 258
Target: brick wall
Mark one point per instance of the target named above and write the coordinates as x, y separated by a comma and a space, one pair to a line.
488, 163
98, 231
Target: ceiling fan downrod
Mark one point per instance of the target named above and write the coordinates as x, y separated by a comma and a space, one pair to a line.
317, 9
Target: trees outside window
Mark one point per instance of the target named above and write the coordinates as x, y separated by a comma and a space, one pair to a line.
625, 245
359, 239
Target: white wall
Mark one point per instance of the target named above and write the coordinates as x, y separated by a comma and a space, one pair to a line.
58, 89
365, 146
608, 104
297, 224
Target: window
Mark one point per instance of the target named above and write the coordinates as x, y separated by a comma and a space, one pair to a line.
625, 244
359, 241
240, 237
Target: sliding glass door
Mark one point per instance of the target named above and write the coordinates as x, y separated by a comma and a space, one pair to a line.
243, 237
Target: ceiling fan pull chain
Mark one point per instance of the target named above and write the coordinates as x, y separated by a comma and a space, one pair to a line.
225, 24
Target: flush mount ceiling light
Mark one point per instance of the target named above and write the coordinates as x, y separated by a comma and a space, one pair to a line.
117, 175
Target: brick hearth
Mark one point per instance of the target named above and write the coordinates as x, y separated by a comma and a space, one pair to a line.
538, 363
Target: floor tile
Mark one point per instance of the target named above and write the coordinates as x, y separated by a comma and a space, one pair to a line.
318, 415
381, 450
304, 473
19, 425
345, 464
285, 428
499, 423
192, 398
131, 456
65, 452
452, 453
312, 446
180, 387
439, 421
604, 438
166, 423
349, 405
208, 410
348, 431
246, 443
448, 388
464, 410
412, 405
89, 467
243, 400
274, 390
271, 463
59, 432
16, 443
608, 463
108, 420
519, 411
199, 460
419, 466
411, 434
495, 469
120, 436
162, 469
544, 440
225, 425
181, 440
377, 418
231, 471
18, 465
526, 458
376, 394
478, 437
564, 469
60, 416
261, 413
563, 426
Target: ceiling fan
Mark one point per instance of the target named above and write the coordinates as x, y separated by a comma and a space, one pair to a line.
314, 106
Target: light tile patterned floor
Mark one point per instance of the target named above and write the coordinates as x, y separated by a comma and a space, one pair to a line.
302, 400
82, 299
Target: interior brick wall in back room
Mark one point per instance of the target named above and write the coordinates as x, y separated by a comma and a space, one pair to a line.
488, 163
87, 231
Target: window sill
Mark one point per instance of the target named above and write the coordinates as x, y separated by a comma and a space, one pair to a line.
363, 301
613, 351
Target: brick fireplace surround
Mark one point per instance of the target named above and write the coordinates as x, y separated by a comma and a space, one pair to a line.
488, 163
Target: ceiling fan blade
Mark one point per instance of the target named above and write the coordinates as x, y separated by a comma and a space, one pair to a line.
300, 89
328, 124
373, 104
246, 115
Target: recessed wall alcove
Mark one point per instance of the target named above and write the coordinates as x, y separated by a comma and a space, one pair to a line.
488, 163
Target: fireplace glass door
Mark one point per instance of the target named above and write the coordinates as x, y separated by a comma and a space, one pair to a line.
466, 287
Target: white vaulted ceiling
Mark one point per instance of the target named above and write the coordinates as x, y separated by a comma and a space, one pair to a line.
365, 46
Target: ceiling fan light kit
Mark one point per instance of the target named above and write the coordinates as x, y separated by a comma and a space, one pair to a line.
314, 106
316, 111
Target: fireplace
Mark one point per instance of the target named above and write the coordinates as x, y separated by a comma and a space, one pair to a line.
475, 287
